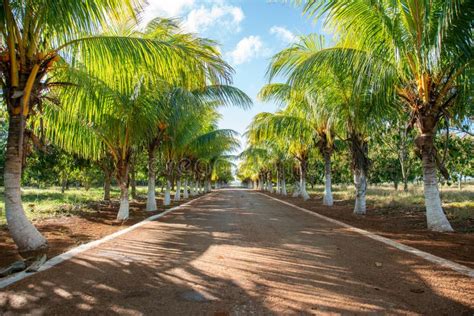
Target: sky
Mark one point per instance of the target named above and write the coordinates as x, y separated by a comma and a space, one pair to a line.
249, 33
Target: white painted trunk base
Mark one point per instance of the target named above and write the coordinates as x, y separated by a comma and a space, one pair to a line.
283, 188
436, 220
167, 198
198, 187
304, 193
151, 196
360, 182
270, 186
327, 198
177, 195
192, 186
124, 209
296, 190
185, 189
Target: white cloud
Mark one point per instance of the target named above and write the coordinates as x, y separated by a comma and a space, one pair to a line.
283, 34
167, 8
248, 48
203, 18
197, 15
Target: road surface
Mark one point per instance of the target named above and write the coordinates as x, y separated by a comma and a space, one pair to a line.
237, 252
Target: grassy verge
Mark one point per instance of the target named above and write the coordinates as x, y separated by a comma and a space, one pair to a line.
458, 204
47, 203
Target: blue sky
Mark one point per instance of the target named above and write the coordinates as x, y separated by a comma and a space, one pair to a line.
249, 31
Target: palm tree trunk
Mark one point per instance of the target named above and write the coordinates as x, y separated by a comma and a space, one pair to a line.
167, 198
26, 236
185, 189
327, 198
360, 182
296, 190
403, 157
283, 187
107, 184
151, 194
177, 195
133, 183
360, 164
269, 182
303, 191
283, 182
124, 210
199, 187
435, 217
192, 187
278, 184
122, 178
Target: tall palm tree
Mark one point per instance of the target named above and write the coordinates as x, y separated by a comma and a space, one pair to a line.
308, 115
348, 99
257, 156
40, 41
270, 127
248, 173
212, 149
125, 121
423, 51
188, 118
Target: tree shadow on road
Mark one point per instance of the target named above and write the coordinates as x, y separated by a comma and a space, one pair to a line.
240, 258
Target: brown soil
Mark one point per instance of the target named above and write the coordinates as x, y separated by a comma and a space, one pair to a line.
237, 252
66, 232
405, 226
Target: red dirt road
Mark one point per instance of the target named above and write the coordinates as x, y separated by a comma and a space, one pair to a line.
236, 252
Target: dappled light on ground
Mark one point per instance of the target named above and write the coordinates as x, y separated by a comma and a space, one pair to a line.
237, 252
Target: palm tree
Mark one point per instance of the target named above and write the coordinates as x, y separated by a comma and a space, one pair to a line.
269, 127
127, 111
348, 99
119, 128
40, 42
257, 156
308, 116
189, 117
212, 148
423, 51
248, 173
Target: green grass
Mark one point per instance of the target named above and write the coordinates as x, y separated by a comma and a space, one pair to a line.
458, 204
46, 203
